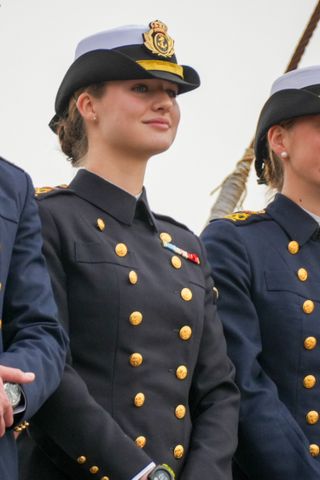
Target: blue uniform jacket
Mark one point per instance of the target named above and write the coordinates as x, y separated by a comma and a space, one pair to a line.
148, 377
266, 266
31, 338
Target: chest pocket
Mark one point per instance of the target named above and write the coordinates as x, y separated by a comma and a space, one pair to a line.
287, 281
96, 252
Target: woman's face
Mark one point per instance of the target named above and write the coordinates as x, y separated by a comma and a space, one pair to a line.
137, 117
302, 143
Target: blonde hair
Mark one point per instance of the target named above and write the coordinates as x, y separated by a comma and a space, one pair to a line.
71, 128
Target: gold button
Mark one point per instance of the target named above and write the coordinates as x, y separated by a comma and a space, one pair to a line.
139, 399
310, 343
121, 250
215, 292
181, 372
0, 323
314, 449
82, 459
312, 417
176, 262
100, 224
302, 274
308, 306
166, 237
136, 359
104, 478
178, 451
135, 318
133, 277
309, 381
186, 294
141, 441
185, 332
293, 247
94, 469
180, 411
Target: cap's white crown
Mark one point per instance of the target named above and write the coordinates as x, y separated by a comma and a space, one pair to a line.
300, 78
113, 38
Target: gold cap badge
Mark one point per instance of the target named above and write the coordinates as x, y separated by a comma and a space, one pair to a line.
158, 41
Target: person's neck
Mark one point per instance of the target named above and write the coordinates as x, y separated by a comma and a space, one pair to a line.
122, 170
308, 197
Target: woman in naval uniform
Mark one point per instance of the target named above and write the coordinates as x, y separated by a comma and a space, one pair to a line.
148, 380
267, 269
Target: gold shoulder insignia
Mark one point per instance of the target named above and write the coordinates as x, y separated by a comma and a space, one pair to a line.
244, 215
43, 190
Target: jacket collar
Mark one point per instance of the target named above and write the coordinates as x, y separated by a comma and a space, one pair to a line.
298, 224
112, 199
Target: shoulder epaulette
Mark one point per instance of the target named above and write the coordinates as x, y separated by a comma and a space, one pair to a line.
165, 218
41, 192
246, 216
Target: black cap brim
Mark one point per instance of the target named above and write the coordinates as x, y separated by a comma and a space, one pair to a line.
282, 105
106, 65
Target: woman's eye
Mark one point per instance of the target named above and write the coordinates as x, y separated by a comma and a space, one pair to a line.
172, 93
140, 88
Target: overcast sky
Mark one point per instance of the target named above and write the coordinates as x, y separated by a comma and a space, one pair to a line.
238, 47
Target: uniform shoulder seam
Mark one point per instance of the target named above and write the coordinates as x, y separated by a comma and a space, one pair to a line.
171, 220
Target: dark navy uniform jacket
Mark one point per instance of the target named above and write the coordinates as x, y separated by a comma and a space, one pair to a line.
31, 337
266, 266
148, 377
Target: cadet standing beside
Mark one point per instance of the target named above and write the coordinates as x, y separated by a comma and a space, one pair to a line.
148, 381
266, 267
32, 343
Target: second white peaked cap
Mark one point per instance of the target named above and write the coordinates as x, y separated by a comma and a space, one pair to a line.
294, 94
301, 78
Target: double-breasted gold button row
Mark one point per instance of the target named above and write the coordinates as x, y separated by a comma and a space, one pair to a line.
136, 359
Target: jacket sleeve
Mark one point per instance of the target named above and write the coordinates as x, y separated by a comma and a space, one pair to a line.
72, 428
271, 443
33, 339
214, 400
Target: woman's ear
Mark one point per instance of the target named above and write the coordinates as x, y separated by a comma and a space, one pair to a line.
277, 139
85, 107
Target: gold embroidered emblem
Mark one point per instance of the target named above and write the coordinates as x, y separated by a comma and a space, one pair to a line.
241, 216
41, 190
158, 41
